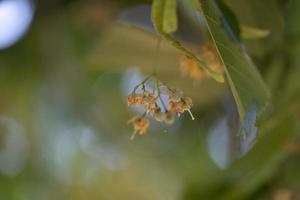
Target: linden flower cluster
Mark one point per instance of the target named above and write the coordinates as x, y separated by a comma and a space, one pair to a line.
210, 56
153, 105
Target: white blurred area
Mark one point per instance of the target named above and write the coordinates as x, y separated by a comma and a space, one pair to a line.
218, 141
80, 146
69, 150
15, 19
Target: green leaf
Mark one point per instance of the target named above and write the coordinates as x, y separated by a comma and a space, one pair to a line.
229, 21
269, 152
264, 14
292, 84
157, 14
244, 80
157, 17
248, 32
170, 17
267, 15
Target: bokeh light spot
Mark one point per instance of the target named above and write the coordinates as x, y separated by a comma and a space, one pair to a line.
15, 18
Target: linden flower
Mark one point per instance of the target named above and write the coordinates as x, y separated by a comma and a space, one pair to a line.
140, 125
153, 109
145, 100
150, 104
179, 107
168, 117
150, 97
154, 106
210, 55
135, 99
191, 68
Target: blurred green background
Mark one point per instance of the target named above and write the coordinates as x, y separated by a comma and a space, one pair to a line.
63, 109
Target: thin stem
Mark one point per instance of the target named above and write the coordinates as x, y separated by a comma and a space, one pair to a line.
142, 83
169, 88
144, 88
156, 57
158, 94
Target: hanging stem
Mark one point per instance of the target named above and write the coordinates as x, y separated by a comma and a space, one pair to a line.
156, 57
142, 83
159, 94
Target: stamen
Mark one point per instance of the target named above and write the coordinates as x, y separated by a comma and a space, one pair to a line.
191, 114
133, 135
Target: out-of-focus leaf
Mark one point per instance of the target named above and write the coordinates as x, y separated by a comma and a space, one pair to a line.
275, 74
247, 176
256, 13
246, 84
248, 32
267, 15
269, 153
229, 21
197, 4
157, 16
224, 145
292, 85
170, 16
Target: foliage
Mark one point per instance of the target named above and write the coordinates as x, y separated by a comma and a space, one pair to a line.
64, 113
